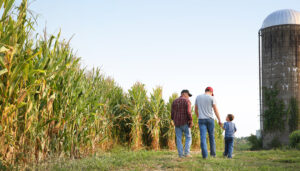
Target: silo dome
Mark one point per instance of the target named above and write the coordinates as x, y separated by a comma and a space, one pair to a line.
282, 17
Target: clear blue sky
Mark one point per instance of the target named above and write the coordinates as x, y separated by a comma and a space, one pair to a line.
178, 44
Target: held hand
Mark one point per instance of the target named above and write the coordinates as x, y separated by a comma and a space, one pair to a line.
220, 123
190, 124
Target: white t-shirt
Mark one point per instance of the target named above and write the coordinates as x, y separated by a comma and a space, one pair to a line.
205, 104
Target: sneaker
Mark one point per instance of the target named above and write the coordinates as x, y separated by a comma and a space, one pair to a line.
187, 156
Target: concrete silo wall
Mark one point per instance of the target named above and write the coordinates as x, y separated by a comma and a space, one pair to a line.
279, 64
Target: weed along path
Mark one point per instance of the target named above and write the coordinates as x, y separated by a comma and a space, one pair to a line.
120, 159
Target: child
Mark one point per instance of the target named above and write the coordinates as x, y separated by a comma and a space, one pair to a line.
230, 129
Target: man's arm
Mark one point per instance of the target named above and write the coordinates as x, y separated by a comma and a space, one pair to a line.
189, 111
172, 111
217, 113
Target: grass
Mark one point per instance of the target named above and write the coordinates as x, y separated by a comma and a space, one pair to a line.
121, 159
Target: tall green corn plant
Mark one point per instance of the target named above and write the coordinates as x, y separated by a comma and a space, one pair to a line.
156, 112
95, 125
136, 108
48, 104
195, 131
15, 65
170, 131
110, 98
118, 131
54, 96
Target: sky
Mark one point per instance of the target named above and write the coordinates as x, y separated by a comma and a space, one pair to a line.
176, 44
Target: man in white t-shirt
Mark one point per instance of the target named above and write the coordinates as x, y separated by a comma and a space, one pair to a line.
204, 106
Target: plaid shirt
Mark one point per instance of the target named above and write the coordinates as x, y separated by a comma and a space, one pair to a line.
181, 111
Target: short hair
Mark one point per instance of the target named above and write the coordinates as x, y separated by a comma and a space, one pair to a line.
230, 117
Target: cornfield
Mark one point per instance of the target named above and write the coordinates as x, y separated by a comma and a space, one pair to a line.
50, 106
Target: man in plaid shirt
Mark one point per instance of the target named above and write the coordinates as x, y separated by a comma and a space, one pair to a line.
181, 114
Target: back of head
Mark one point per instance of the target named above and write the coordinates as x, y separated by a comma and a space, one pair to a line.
230, 117
209, 90
186, 92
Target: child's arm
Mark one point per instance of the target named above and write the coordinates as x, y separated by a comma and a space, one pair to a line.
234, 128
223, 126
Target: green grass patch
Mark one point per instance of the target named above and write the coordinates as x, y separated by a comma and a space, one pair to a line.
122, 159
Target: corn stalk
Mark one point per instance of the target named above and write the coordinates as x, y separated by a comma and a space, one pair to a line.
170, 129
156, 110
136, 108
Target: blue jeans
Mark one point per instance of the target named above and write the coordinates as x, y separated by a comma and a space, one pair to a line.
228, 147
188, 139
207, 125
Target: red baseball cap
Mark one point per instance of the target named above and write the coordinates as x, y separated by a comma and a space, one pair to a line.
210, 89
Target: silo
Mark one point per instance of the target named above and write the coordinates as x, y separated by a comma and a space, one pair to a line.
279, 52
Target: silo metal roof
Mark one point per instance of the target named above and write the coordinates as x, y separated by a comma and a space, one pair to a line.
281, 17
